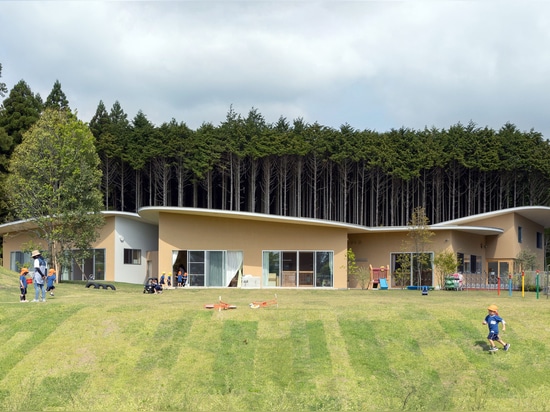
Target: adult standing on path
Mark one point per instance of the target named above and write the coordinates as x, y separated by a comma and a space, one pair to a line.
39, 276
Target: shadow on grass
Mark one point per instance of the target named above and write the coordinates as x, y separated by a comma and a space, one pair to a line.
483, 345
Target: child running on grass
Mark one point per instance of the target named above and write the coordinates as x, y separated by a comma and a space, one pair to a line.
492, 320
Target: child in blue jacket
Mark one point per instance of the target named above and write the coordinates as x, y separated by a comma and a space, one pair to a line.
50, 281
492, 320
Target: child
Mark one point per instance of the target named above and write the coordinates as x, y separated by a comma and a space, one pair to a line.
492, 320
156, 287
180, 278
50, 280
23, 285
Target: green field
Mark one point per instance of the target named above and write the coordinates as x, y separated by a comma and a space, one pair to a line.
88, 349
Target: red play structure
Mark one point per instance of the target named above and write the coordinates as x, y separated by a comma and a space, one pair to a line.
379, 277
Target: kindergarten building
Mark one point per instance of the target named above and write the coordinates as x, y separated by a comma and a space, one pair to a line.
229, 249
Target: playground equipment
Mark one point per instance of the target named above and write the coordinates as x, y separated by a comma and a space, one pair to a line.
265, 303
96, 285
221, 305
383, 284
454, 282
376, 274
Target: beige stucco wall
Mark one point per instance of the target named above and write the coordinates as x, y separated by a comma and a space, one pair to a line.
106, 241
252, 237
18, 241
506, 246
375, 248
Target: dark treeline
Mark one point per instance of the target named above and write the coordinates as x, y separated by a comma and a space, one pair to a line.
308, 170
292, 168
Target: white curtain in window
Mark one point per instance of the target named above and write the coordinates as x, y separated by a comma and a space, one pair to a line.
233, 265
174, 257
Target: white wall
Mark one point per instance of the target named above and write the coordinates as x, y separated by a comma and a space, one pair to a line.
130, 234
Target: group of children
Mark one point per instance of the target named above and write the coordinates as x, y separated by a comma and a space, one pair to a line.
38, 279
181, 279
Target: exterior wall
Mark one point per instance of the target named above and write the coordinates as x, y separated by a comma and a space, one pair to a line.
252, 237
106, 241
180, 231
529, 239
469, 244
136, 235
503, 246
376, 248
506, 246
131, 234
17, 241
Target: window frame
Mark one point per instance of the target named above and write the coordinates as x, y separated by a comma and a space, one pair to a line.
130, 256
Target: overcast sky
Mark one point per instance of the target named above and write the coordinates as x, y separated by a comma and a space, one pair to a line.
372, 64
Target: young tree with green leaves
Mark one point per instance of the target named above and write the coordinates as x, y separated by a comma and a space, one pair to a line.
419, 238
360, 273
54, 182
402, 273
353, 269
445, 263
525, 260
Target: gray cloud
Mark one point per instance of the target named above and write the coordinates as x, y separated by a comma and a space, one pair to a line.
374, 65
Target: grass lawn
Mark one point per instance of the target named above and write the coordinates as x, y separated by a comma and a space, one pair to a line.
95, 349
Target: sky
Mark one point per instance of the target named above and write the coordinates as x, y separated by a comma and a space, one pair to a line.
376, 65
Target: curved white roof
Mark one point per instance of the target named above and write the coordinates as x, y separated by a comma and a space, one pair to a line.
537, 214
151, 215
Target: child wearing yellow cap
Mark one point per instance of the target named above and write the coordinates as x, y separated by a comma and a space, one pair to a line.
50, 281
23, 285
492, 320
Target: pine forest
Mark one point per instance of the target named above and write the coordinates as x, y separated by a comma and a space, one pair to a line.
294, 168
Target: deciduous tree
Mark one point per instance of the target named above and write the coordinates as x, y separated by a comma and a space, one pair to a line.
54, 182
419, 238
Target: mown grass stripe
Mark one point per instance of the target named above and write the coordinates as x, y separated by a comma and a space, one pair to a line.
38, 328
234, 363
273, 355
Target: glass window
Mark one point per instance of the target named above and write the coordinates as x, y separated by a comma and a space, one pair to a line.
289, 268
323, 269
460, 259
132, 256
539, 240
271, 273
89, 268
19, 259
520, 234
196, 267
305, 277
414, 269
218, 268
215, 261
297, 268
466, 264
